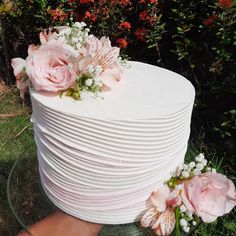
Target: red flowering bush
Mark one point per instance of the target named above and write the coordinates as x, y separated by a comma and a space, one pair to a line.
127, 23
124, 25
58, 15
210, 20
194, 39
225, 3
141, 34
122, 42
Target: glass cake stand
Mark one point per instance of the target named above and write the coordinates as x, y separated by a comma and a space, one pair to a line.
29, 203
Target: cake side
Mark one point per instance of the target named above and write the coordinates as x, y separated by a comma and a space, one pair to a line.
101, 165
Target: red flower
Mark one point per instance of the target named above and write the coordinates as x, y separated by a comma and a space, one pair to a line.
225, 3
90, 16
121, 2
141, 33
152, 1
210, 20
72, 1
93, 18
144, 15
86, 1
124, 2
124, 25
87, 14
58, 14
122, 42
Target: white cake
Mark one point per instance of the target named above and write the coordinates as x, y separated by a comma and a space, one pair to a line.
100, 158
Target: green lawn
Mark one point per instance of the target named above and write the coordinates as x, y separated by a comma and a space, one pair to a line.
28, 200
16, 143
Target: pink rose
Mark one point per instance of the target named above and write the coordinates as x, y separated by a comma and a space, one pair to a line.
209, 195
52, 66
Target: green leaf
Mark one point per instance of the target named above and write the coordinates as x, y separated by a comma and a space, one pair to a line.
230, 226
42, 3
226, 123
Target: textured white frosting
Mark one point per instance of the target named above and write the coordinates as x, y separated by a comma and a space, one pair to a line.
100, 158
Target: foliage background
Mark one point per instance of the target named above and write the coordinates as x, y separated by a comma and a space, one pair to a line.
194, 38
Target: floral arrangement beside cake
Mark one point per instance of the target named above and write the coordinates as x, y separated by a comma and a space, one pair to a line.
109, 162
195, 193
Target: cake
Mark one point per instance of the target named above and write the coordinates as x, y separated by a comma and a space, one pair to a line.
101, 157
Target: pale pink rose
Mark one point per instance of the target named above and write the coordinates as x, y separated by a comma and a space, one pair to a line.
19, 66
101, 53
52, 67
32, 48
161, 215
209, 195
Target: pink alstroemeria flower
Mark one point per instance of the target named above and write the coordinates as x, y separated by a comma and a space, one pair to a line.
100, 53
161, 217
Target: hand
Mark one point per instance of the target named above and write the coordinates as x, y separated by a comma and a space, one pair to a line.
62, 224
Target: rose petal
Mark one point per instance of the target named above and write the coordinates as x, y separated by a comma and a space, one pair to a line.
186, 195
32, 48
231, 197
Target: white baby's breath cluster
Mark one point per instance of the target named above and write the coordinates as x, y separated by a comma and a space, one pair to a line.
93, 79
75, 35
186, 221
196, 167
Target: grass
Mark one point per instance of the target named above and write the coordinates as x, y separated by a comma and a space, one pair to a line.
15, 129
16, 134
26, 195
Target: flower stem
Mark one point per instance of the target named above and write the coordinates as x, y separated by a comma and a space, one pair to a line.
177, 230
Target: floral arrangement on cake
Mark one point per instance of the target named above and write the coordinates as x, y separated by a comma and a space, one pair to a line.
195, 193
69, 60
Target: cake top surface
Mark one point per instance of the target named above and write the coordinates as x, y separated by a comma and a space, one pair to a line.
145, 92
